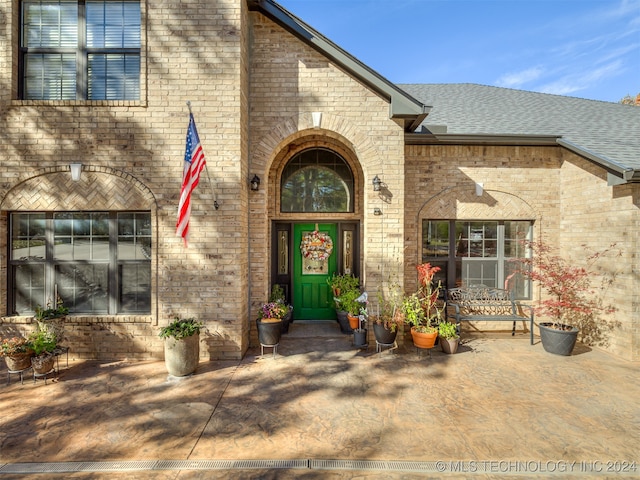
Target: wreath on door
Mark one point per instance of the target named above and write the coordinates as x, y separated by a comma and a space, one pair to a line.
316, 245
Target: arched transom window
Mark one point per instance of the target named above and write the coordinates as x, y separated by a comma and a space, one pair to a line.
316, 180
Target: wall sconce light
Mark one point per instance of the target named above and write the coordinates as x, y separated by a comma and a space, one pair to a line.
317, 119
376, 183
76, 171
479, 189
255, 183
377, 211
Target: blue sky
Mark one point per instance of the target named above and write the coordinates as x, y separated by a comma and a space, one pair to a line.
580, 48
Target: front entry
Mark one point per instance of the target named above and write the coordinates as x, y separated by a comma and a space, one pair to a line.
304, 255
314, 261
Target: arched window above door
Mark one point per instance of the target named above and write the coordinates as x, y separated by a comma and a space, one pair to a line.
317, 180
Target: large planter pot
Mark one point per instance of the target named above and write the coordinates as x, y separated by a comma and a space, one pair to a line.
181, 357
18, 362
53, 326
343, 321
558, 341
286, 320
423, 340
360, 337
43, 363
269, 332
383, 335
449, 345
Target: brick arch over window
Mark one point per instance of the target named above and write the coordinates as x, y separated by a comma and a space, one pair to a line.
100, 188
462, 203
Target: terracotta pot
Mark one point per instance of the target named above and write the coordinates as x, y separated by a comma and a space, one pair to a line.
423, 340
18, 362
43, 363
353, 321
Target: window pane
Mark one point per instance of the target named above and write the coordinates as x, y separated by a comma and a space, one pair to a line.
114, 77
27, 238
317, 180
81, 236
135, 287
435, 239
50, 24
50, 76
28, 288
134, 236
113, 24
83, 288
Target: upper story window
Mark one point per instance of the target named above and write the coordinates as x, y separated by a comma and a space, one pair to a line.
80, 50
317, 180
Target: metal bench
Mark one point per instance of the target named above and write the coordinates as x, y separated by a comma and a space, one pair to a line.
483, 303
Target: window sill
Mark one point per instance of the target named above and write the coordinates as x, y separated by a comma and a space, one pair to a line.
79, 103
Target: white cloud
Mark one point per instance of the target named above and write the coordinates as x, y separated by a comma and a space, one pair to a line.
518, 79
581, 80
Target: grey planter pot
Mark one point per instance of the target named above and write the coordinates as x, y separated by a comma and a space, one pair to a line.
449, 345
360, 337
383, 335
181, 357
558, 342
343, 321
269, 333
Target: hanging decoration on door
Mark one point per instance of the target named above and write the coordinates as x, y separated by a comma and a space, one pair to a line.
316, 247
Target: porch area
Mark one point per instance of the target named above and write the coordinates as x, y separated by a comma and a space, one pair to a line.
321, 408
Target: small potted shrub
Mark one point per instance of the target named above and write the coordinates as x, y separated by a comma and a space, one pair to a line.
277, 295
573, 305
423, 310
387, 319
449, 338
346, 288
181, 346
43, 343
16, 352
51, 318
269, 323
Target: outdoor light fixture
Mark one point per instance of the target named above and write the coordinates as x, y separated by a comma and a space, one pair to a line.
376, 183
76, 170
479, 189
377, 211
317, 119
255, 183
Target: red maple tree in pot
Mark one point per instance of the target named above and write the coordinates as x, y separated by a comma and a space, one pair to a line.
571, 300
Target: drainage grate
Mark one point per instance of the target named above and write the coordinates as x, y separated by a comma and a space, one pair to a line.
229, 464
378, 465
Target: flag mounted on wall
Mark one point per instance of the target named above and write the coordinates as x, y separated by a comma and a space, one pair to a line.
194, 162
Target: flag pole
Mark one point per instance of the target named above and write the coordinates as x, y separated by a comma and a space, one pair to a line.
213, 193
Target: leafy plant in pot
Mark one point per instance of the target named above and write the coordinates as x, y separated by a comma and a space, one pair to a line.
388, 317
181, 346
346, 288
277, 296
269, 323
17, 353
573, 305
43, 343
424, 310
52, 318
449, 338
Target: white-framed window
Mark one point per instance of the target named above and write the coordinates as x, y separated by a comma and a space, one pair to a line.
482, 252
96, 262
80, 50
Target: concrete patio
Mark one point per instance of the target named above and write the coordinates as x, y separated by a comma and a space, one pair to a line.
499, 408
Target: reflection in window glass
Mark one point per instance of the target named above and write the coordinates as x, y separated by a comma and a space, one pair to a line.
317, 180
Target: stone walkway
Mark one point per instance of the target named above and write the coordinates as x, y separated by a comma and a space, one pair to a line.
499, 408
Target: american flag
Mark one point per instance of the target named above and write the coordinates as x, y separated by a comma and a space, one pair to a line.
194, 162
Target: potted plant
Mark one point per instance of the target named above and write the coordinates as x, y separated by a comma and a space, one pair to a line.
349, 303
346, 288
43, 343
16, 352
424, 310
342, 283
449, 338
388, 317
51, 318
360, 332
269, 323
181, 346
572, 304
277, 295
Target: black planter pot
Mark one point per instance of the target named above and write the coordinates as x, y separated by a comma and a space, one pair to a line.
269, 333
286, 320
383, 335
559, 342
343, 321
360, 337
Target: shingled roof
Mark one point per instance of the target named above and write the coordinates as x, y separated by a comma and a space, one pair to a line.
606, 133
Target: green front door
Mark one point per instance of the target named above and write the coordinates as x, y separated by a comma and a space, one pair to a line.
314, 260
